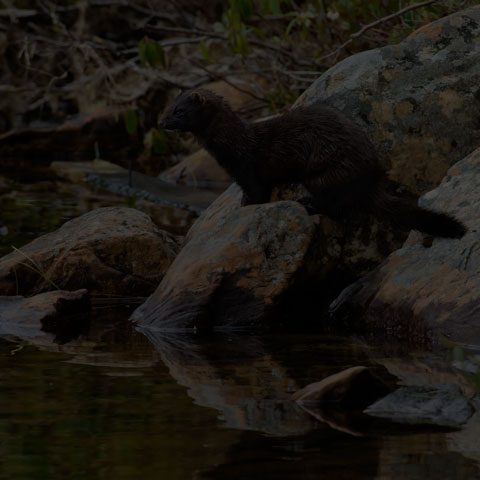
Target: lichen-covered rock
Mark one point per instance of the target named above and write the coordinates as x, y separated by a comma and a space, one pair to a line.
421, 293
419, 101
235, 265
111, 250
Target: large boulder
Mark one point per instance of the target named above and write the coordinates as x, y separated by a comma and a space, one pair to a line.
424, 292
419, 101
238, 264
235, 265
111, 250
199, 170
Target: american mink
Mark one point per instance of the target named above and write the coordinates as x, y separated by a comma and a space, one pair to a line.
316, 146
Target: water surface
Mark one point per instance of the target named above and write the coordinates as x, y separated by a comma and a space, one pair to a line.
112, 403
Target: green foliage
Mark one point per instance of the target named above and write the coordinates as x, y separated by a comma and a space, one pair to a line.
458, 353
204, 50
302, 19
34, 266
130, 201
232, 24
468, 364
151, 53
280, 97
242, 8
273, 6
16, 349
319, 22
156, 141
131, 121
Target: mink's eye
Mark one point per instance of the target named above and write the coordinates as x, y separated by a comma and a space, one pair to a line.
179, 112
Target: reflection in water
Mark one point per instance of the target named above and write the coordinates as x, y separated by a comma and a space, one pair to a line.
30, 210
238, 377
111, 403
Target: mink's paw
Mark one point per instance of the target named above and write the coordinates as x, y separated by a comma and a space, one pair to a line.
307, 203
245, 201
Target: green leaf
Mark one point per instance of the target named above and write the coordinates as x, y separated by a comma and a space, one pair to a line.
160, 142
131, 121
244, 8
258, 32
275, 7
304, 32
151, 53
131, 202
204, 50
156, 141
458, 354
142, 51
292, 23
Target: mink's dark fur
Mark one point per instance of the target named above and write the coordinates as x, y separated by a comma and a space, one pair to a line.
316, 146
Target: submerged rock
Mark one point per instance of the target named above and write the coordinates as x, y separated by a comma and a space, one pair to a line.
421, 292
25, 317
119, 180
442, 404
418, 101
111, 250
355, 387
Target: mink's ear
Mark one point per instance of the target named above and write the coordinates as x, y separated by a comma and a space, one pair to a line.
198, 97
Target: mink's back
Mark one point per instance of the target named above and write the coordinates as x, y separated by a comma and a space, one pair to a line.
307, 140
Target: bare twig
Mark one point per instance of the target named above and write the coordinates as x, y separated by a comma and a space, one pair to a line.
169, 42
206, 33
14, 13
224, 78
374, 24
391, 17
118, 3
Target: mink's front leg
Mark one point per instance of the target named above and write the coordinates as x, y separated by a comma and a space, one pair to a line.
254, 193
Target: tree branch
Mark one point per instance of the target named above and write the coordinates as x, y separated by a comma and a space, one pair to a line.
374, 24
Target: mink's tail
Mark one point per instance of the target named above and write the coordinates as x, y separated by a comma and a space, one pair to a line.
409, 216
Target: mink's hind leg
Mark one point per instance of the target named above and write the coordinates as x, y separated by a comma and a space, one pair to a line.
337, 196
326, 199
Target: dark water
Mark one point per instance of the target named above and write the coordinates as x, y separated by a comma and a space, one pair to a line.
112, 403
28, 210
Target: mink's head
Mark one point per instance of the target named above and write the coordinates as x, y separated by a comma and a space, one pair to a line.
192, 111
